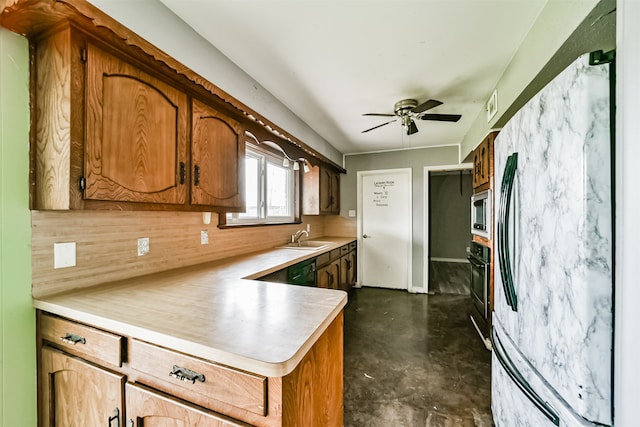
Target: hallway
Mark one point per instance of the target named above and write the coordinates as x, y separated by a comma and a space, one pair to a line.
413, 360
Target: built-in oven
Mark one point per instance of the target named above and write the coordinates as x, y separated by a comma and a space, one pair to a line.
480, 260
481, 214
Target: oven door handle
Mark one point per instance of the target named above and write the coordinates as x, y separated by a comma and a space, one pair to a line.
475, 262
504, 255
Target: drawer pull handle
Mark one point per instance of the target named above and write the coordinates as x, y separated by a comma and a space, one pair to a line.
186, 375
73, 339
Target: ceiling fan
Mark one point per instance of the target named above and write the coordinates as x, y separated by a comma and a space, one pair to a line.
408, 109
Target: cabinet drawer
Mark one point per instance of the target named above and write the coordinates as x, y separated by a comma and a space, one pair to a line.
82, 340
148, 406
197, 380
323, 259
327, 257
344, 249
353, 246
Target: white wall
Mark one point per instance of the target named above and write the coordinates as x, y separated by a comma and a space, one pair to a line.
537, 61
627, 295
153, 21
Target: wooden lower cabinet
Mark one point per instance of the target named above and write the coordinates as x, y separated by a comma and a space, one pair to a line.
147, 408
76, 393
329, 275
348, 271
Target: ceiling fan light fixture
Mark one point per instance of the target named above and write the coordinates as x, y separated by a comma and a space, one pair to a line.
408, 109
412, 128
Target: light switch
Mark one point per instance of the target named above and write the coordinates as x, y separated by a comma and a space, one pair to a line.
64, 255
204, 237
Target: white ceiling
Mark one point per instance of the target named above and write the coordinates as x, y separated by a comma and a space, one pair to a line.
330, 61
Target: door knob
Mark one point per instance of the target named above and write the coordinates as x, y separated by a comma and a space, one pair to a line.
364, 236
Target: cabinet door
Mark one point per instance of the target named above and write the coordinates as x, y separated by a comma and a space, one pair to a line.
348, 271
352, 276
335, 193
217, 154
321, 191
345, 267
76, 393
146, 408
326, 179
329, 191
479, 164
329, 275
137, 134
483, 162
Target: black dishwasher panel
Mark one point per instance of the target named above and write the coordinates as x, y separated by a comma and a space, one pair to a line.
302, 273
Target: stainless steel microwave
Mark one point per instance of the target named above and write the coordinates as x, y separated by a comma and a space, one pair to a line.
481, 214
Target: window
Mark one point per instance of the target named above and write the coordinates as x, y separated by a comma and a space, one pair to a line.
269, 192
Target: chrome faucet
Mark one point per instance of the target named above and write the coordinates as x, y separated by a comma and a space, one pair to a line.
295, 238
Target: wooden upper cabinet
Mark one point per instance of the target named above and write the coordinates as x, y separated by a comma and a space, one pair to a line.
483, 163
321, 191
217, 157
136, 134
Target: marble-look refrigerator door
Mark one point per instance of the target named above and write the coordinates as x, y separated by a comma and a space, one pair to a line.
520, 397
560, 237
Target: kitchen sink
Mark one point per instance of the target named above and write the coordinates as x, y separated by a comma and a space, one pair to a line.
309, 245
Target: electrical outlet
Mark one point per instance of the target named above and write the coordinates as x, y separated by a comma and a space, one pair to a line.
143, 246
204, 237
468, 249
308, 228
352, 212
64, 255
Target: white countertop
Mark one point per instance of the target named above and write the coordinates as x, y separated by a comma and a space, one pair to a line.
211, 311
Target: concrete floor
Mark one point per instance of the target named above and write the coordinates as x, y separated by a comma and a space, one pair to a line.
450, 278
413, 360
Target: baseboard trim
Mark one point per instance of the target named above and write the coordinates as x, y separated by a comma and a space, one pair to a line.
461, 260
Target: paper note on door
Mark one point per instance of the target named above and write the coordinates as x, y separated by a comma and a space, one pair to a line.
380, 192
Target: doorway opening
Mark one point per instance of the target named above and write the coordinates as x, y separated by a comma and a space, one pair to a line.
447, 228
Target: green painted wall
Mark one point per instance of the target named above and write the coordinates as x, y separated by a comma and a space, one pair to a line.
17, 317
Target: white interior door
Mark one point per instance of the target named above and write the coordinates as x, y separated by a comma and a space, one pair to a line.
384, 228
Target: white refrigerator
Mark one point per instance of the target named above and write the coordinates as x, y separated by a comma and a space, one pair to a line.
553, 321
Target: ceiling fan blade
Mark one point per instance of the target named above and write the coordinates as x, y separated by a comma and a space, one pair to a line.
427, 105
379, 114
412, 128
376, 127
440, 117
